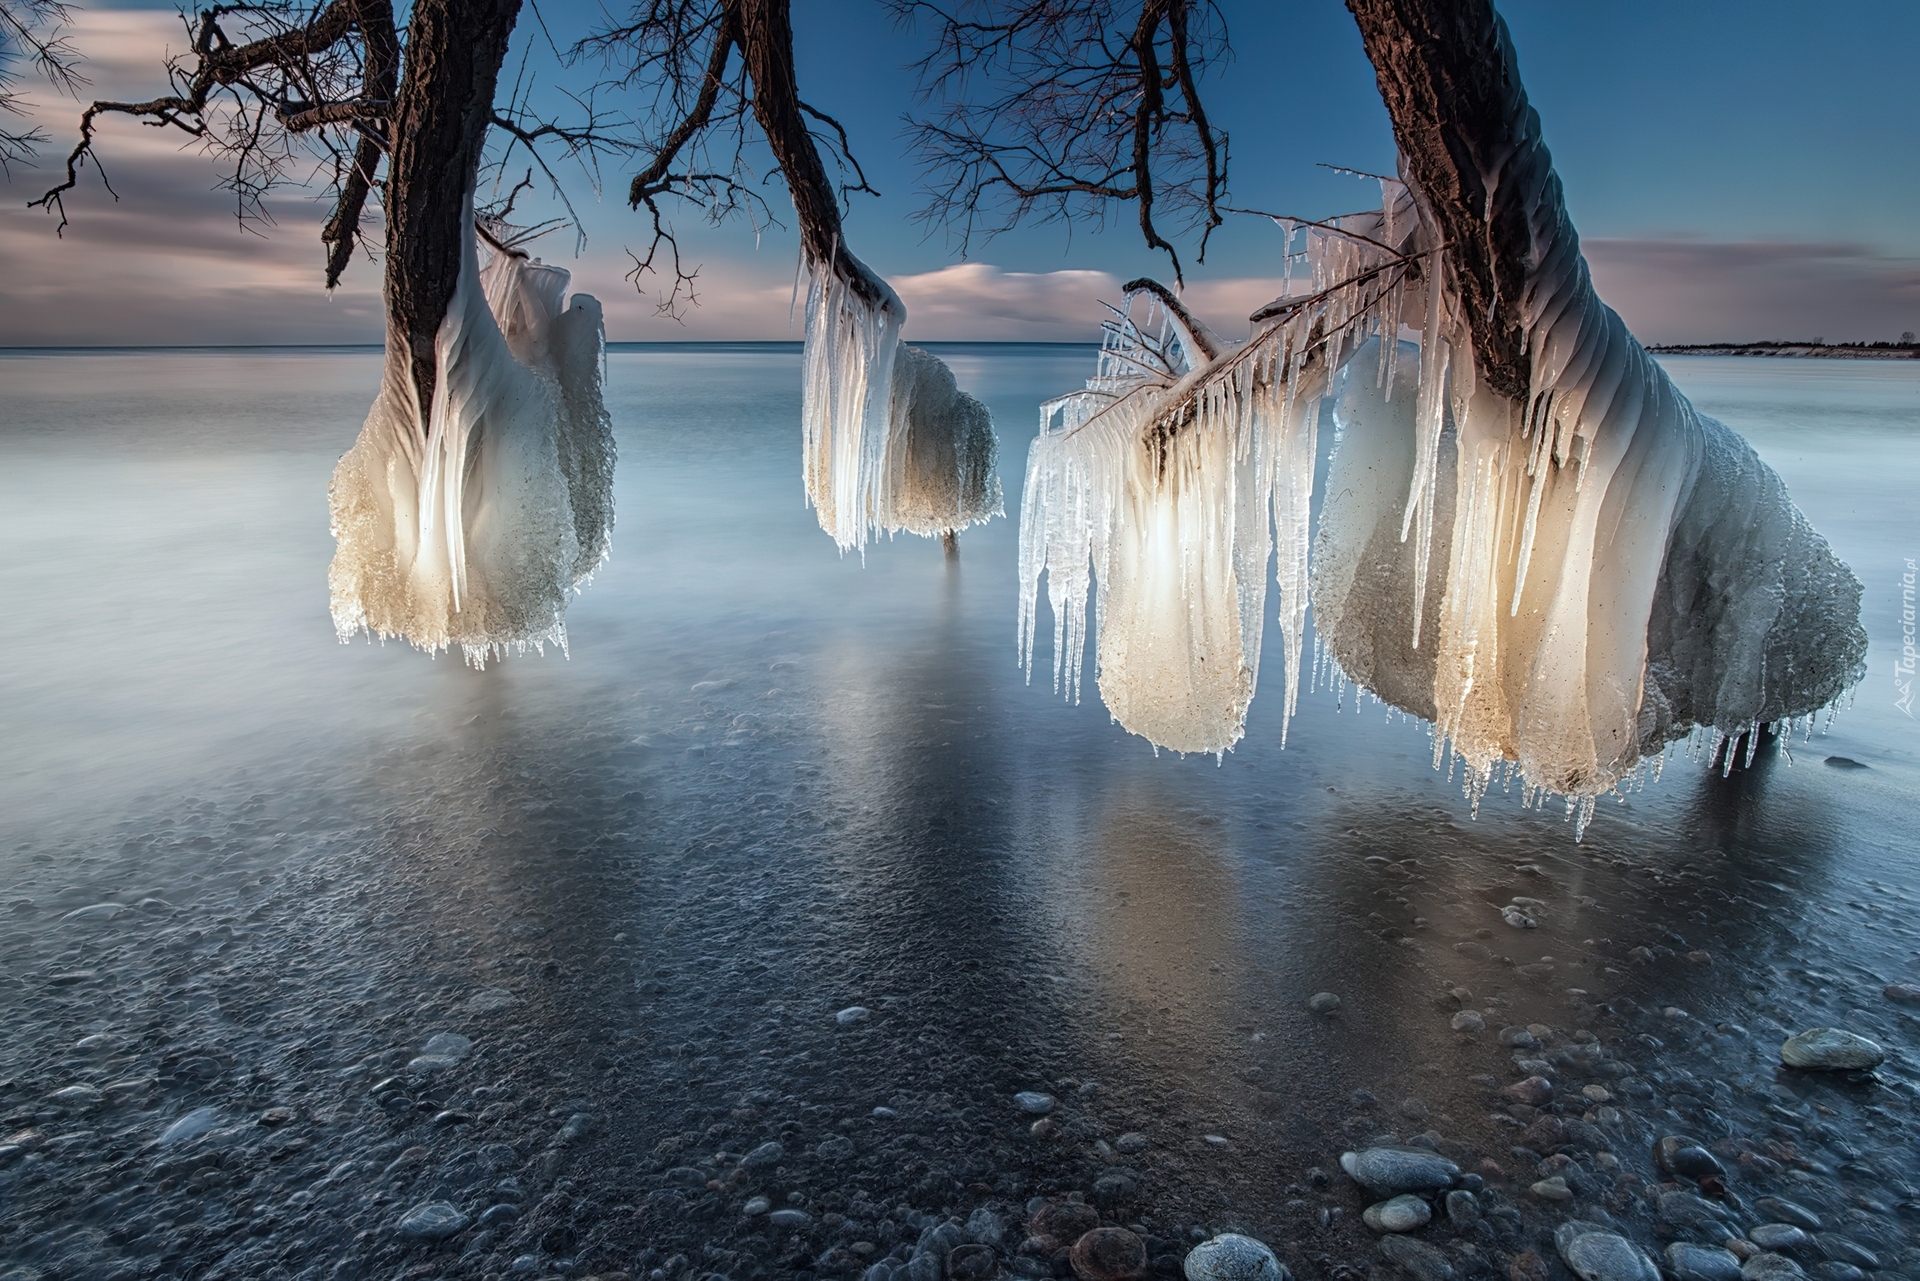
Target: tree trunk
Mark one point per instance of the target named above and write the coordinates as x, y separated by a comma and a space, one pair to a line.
453, 56
766, 42
1451, 84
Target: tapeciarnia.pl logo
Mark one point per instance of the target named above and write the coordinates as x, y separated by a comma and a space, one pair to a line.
1903, 666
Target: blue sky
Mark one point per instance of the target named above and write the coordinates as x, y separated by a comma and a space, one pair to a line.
1736, 171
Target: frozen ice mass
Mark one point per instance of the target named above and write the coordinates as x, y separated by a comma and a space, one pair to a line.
471, 522
1562, 587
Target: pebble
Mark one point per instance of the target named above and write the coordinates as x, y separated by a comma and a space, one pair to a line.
1685, 1157
1553, 1189
1518, 919
1393, 1170
189, 1127
98, 1043
428, 1064
1463, 1208
1109, 1254
1535, 1091
1785, 1211
853, 1014
1323, 1003
1403, 1213
1132, 1142
1469, 1021
1596, 1094
490, 1000
971, 1262
1518, 1038
1689, 1262
1418, 1258
495, 1215
76, 1096
1831, 1049
1903, 993
1596, 1254
450, 1045
432, 1221
756, 1206
790, 1218
276, 1116
1232, 1257
1058, 1224
763, 1157
1033, 1102
1777, 1236
1770, 1267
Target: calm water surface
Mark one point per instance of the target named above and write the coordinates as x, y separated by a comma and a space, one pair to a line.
770, 784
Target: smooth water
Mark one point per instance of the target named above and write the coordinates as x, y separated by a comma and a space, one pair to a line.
770, 784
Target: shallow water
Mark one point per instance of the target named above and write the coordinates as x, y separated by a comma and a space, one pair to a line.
769, 785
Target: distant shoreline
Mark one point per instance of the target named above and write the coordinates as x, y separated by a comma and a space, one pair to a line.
1817, 350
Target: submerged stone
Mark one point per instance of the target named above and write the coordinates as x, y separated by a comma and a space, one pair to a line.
1831, 1049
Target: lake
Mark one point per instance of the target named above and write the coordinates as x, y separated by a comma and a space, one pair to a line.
786, 851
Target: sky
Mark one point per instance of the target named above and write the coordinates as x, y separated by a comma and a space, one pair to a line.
1737, 171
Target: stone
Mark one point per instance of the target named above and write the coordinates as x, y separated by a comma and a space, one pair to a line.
1841, 1250
756, 1206
1058, 1224
432, 1221
428, 1064
1393, 1170
1132, 1143
449, 1045
1109, 1254
764, 1157
1834, 1270
1323, 1003
985, 1226
1831, 1049
1677, 1154
1777, 1236
1517, 919
1770, 1267
276, 1116
1782, 1210
1232, 1257
790, 1219
1417, 1258
1518, 1038
490, 1000
1403, 1213
189, 1127
495, 1215
1463, 1208
1903, 993
1689, 1262
1033, 1102
1468, 1021
1596, 1254
1535, 1092
853, 1014
1553, 1189
971, 1262
78, 1097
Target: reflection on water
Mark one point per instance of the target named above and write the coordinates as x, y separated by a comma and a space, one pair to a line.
772, 784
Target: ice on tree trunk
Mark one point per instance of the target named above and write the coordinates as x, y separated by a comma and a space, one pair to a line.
889, 441
1565, 584
471, 521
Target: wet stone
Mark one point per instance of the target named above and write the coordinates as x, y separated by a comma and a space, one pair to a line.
76, 1097
790, 1219
495, 1215
1394, 1170
450, 1045
756, 1206
1596, 1254
764, 1157
1831, 1049
1685, 1157
1553, 1189
1059, 1224
1418, 1258
432, 1221
1463, 1208
1109, 1254
1400, 1214
853, 1014
189, 1127
1777, 1236
1770, 1267
1782, 1210
1518, 1038
1902, 993
1132, 1142
1033, 1102
1232, 1257
1323, 1003
1689, 1262
1535, 1091
1841, 1250
971, 1262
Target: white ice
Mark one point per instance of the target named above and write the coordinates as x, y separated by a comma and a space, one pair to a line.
472, 521
890, 443
1565, 585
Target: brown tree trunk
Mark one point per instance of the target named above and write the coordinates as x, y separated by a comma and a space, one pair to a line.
453, 56
1451, 84
766, 42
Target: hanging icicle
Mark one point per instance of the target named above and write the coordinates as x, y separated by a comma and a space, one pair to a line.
1565, 584
471, 521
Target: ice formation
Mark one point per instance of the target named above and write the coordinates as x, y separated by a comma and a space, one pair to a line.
1565, 584
890, 441
472, 522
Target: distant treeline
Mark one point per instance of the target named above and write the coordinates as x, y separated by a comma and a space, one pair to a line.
1905, 349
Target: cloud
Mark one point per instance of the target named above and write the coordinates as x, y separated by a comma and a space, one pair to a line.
1683, 290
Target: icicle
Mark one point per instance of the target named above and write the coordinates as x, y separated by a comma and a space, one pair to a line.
472, 521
